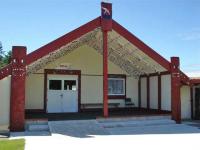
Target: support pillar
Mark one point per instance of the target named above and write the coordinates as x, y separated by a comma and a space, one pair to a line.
105, 74
159, 92
139, 93
192, 101
106, 25
175, 89
17, 97
148, 92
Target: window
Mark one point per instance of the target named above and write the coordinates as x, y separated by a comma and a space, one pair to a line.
55, 85
70, 85
116, 86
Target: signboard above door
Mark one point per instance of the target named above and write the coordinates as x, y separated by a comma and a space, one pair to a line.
65, 66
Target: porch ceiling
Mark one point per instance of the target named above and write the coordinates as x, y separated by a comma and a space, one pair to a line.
121, 52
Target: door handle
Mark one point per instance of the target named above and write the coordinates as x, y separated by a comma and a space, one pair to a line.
61, 95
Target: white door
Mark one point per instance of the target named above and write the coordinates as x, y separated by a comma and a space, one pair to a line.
62, 93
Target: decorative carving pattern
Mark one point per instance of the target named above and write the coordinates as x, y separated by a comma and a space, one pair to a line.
41, 63
121, 52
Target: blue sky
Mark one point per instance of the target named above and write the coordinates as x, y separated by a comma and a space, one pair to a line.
170, 27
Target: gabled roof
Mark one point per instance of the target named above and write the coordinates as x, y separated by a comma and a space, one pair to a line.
69, 37
63, 40
141, 45
84, 29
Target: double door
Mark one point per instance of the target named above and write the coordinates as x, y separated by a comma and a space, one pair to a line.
62, 93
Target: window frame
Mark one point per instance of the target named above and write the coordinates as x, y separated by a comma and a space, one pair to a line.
52, 80
121, 77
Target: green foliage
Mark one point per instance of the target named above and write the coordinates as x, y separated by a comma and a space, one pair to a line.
12, 144
1, 47
1, 51
4, 57
7, 57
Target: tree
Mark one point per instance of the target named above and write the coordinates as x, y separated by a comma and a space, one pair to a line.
1, 51
1, 55
4, 57
7, 57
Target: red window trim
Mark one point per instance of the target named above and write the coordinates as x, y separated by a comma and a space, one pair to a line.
122, 76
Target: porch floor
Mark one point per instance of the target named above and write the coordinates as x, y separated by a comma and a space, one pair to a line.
91, 114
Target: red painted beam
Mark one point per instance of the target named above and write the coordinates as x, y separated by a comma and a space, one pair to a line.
192, 102
105, 73
106, 25
175, 89
195, 81
17, 94
159, 92
65, 39
148, 92
139, 92
184, 78
141, 45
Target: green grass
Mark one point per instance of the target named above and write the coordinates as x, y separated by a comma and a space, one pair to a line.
6, 144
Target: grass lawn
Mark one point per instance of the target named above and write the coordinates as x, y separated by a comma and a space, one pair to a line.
6, 144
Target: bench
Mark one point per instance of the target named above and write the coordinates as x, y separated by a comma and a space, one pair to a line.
116, 105
129, 103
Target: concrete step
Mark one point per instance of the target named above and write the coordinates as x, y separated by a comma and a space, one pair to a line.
30, 133
41, 122
38, 127
136, 118
160, 129
135, 123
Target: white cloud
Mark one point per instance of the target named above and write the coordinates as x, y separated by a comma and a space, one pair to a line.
194, 34
192, 70
193, 74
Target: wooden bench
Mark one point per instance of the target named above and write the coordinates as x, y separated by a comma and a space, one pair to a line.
116, 105
129, 103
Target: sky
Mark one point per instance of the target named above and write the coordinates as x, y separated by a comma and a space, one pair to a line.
170, 27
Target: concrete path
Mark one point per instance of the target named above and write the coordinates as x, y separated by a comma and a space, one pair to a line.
117, 134
86, 128
77, 128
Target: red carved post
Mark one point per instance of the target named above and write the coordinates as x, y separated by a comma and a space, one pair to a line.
175, 89
106, 25
192, 101
139, 93
17, 99
148, 92
159, 92
105, 74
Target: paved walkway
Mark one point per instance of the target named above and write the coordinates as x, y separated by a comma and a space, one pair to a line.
119, 134
77, 128
86, 128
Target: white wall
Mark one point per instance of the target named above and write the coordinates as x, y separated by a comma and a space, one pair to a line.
89, 61
34, 91
132, 89
144, 92
5, 103
91, 89
153, 87
185, 102
166, 92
